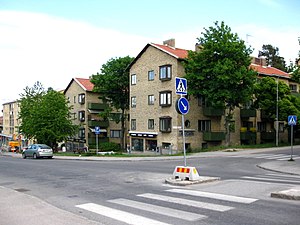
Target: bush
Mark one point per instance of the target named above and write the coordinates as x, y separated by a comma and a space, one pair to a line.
109, 146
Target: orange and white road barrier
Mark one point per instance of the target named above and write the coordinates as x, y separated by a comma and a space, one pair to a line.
185, 173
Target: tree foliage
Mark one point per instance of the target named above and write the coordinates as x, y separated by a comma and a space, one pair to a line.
45, 115
112, 83
266, 99
220, 70
272, 57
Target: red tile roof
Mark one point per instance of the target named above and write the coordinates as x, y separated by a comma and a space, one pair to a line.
268, 70
176, 52
85, 83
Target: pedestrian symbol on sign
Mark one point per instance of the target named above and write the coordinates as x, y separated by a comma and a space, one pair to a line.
180, 86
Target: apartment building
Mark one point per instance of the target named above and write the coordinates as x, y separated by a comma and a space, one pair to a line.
154, 121
86, 107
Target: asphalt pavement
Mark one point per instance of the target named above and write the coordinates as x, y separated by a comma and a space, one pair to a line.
286, 167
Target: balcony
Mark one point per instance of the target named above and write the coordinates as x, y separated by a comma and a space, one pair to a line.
98, 123
213, 136
92, 140
248, 136
210, 111
267, 136
97, 106
246, 113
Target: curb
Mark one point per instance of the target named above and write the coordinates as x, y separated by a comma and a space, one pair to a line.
202, 179
291, 194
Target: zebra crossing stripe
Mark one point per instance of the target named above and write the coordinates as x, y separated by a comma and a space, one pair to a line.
288, 157
197, 204
119, 215
270, 179
230, 198
277, 156
180, 214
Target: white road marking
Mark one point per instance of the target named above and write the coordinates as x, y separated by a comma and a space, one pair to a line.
197, 204
270, 179
230, 198
122, 216
180, 214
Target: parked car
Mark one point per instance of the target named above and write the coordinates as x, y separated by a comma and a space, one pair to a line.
37, 151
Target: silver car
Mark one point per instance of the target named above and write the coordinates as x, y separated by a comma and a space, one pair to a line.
38, 151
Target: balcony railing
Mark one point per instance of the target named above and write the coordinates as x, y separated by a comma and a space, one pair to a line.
98, 123
267, 136
97, 106
210, 111
92, 141
248, 136
213, 136
245, 113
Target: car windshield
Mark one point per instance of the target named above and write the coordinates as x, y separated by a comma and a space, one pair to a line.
42, 146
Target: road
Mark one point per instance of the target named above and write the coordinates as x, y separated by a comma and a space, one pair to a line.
120, 192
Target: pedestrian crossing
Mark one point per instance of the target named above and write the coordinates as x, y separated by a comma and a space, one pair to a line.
280, 157
274, 178
179, 204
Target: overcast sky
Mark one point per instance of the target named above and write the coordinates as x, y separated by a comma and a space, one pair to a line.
56, 40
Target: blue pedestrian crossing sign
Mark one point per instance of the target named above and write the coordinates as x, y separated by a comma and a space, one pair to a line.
97, 130
292, 120
180, 86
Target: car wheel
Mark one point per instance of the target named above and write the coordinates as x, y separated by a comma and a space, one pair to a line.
34, 156
23, 156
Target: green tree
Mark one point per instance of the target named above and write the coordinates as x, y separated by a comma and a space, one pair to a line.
220, 71
272, 57
266, 99
112, 83
45, 115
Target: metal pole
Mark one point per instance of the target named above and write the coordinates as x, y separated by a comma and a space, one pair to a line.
97, 144
277, 124
183, 139
292, 136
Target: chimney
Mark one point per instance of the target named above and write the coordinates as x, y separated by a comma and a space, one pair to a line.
170, 42
259, 61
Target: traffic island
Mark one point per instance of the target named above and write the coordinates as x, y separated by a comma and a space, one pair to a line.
291, 194
184, 182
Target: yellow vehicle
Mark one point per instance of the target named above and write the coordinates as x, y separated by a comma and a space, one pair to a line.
14, 145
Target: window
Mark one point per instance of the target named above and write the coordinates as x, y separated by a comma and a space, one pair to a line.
151, 124
133, 102
133, 124
165, 124
281, 127
150, 99
293, 87
81, 133
115, 133
81, 98
133, 79
261, 126
165, 98
165, 72
151, 75
81, 116
204, 125
201, 100
74, 99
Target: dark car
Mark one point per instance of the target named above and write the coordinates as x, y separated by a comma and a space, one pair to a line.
38, 151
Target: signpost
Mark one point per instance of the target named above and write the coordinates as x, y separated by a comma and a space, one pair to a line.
97, 132
182, 106
292, 121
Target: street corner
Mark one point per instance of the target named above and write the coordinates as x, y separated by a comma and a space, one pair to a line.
290, 194
184, 182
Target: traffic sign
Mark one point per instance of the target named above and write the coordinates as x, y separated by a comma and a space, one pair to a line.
181, 86
183, 106
97, 130
292, 120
